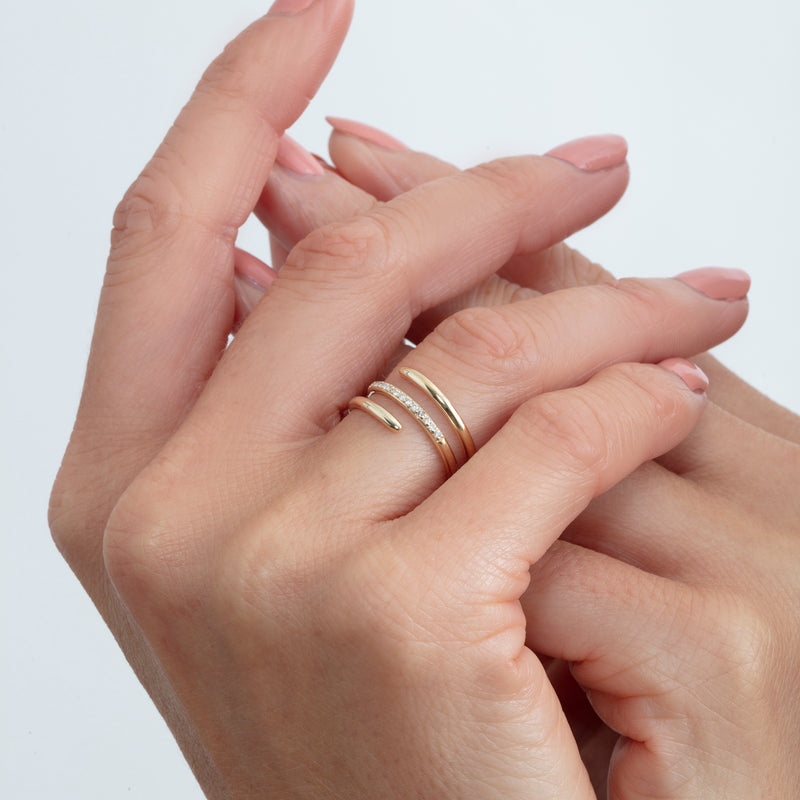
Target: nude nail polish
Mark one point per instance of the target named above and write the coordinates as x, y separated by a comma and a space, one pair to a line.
248, 292
718, 283
366, 132
592, 153
293, 156
688, 372
289, 6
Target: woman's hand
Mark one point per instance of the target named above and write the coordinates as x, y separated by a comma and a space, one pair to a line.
676, 593
310, 609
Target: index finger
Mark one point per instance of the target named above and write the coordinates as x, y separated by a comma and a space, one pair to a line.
167, 305
171, 267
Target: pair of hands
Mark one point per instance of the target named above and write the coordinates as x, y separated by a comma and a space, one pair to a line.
312, 610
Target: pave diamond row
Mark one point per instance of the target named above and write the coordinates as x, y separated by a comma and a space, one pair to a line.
411, 406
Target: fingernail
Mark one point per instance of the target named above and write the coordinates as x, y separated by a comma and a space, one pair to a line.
689, 373
289, 6
293, 156
254, 270
248, 293
718, 283
592, 153
366, 132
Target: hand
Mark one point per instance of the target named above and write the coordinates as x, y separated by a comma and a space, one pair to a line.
697, 646
365, 643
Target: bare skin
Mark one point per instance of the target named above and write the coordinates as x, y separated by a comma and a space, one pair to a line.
710, 526
313, 609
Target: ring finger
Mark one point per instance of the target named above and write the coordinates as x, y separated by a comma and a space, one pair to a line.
489, 361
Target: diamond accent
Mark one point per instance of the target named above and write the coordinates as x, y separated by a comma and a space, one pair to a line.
411, 406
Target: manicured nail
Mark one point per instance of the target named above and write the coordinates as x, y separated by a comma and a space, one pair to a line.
254, 270
689, 373
248, 292
289, 6
718, 283
293, 156
366, 132
592, 153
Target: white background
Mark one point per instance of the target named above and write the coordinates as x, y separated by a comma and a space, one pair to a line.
706, 91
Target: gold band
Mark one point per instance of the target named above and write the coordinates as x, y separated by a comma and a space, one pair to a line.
453, 417
374, 410
419, 414
422, 418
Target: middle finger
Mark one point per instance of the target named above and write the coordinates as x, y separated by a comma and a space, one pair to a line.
348, 293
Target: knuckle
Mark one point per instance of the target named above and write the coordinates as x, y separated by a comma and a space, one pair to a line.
336, 255
236, 72
228, 75
570, 427
150, 213
741, 642
655, 397
83, 494
150, 550
66, 519
488, 339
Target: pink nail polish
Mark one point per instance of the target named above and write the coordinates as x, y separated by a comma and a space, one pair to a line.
718, 283
592, 153
366, 132
293, 156
689, 373
289, 6
259, 275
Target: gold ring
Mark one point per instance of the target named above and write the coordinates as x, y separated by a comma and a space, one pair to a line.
438, 396
418, 414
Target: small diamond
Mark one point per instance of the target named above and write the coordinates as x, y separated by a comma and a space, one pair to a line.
411, 406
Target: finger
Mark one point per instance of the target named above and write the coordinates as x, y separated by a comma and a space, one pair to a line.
172, 254
651, 654
502, 511
742, 463
744, 401
167, 303
377, 162
300, 196
622, 524
385, 168
340, 308
489, 361
367, 279
596, 741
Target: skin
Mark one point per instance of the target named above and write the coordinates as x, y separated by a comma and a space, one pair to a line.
311, 616
661, 611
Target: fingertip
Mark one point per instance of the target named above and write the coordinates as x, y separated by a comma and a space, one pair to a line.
366, 133
691, 375
592, 153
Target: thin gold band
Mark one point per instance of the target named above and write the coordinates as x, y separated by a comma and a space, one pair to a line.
438, 397
374, 410
423, 419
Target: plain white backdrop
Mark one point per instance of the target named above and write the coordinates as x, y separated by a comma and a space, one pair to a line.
706, 91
